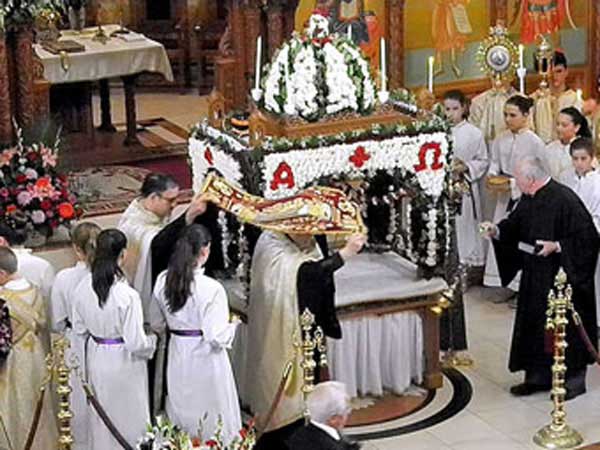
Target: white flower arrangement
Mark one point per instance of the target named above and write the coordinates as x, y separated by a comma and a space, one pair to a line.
205, 156
315, 74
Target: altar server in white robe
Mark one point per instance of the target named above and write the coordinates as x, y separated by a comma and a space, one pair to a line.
64, 294
507, 149
585, 181
570, 125
471, 158
194, 308
142, 220
34, 269
108, 313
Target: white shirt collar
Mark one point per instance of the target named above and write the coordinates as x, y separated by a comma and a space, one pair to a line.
327, 429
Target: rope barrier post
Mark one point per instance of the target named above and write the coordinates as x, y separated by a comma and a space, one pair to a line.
62, 373
558, 434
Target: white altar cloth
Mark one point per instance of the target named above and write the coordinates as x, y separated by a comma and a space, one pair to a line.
376, 352
114, 59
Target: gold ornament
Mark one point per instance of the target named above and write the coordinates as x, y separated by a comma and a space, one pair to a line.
498, 56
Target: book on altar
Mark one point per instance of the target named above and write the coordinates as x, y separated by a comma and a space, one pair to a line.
67, 46
131, 37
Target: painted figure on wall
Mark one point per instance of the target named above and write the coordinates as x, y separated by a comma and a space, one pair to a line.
449, 30
541, 17
364, 25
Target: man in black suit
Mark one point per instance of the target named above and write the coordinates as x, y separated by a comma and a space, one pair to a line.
329, 407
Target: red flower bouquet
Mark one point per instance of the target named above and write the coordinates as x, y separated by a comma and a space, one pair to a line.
32, 193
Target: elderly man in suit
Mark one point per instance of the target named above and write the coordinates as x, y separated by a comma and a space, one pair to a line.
329, 407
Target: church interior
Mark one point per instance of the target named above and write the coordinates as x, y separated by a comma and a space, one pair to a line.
217, 215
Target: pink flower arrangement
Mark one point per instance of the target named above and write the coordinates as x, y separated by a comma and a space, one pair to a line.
31, 187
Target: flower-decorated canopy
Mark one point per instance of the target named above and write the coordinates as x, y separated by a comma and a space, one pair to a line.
316, 74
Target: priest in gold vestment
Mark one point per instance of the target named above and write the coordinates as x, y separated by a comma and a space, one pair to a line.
24, 370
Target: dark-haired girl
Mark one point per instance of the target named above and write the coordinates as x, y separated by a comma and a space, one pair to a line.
570, 125
507, 149
470, 157
194, 308
62, 300
108, 312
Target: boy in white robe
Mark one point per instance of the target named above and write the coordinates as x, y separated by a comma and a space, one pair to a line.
108, 313
585, 181
470, 153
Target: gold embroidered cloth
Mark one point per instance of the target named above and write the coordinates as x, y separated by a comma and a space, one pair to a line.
316, 210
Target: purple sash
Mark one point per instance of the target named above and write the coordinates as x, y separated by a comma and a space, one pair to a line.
187, 333
108, 341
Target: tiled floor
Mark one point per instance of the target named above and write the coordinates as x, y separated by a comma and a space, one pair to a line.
493, 420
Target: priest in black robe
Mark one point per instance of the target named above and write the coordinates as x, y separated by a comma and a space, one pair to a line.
549, 228
289, 274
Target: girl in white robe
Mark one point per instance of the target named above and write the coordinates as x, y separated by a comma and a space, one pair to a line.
507, 149
62, 299
194, 308
470, 153
570, 125
585, 181
108, 313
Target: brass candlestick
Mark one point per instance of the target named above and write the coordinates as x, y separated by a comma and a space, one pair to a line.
62, 372
311, 339
558, 435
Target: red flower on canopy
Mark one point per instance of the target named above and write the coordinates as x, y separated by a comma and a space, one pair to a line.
66, 210
11, 209
21, 178
212, 443
46, 205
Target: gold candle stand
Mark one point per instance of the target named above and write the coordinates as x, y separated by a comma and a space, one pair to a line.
558, 434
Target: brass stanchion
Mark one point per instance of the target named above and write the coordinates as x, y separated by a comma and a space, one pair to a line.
62, 372
558, 434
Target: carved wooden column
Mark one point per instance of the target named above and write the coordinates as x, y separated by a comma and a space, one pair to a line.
24, 76
237, 24
276, 30
395, 39
5, 103
290, 17
253, 15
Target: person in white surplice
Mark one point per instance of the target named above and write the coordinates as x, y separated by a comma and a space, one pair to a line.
507, 149
194, 308
585, 181
62, 299
471, 158
570, 125
108, 313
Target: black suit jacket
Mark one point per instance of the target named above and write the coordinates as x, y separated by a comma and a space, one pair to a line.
313, 438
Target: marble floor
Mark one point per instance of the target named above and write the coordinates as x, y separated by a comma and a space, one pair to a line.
493, 420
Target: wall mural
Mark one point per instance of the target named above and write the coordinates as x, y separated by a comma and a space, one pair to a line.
364, 19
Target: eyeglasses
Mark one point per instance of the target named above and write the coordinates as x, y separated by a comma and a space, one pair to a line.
171, 200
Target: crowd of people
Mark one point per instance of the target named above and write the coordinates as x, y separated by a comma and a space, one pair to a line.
150, 326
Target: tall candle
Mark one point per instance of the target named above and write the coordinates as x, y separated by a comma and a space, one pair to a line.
258, 60
349, 32
430, 74
383, 67
579, 95
521, 52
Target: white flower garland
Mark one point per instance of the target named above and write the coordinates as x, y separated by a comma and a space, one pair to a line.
301, 85
432, 245
342, 92
218, 159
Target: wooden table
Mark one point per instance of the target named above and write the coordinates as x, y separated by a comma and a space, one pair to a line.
102, 61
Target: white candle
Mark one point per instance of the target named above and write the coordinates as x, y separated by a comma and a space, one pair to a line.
383, 67
258, 61
430, 74
349, 32
579, 95
521, 51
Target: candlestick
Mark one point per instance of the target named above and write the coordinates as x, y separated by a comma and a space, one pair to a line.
258, 60
383, 67
430, 74
521, 54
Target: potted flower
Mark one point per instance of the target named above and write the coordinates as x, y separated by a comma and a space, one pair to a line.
34, 196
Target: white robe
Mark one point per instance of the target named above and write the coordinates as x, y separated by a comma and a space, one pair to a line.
506, 151
199, 375
140, 226
36, 270
487, 111
273, 320
588, 189
63, 296
559, 158
118, 373
469, 147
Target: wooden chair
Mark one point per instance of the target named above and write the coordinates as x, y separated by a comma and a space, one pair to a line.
206, 49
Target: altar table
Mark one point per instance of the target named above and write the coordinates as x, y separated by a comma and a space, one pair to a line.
100, 62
